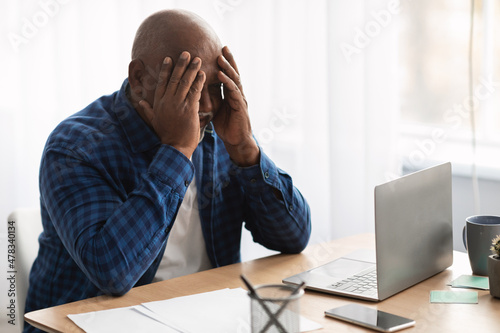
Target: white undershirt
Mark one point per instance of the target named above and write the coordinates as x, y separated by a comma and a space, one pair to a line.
185, 252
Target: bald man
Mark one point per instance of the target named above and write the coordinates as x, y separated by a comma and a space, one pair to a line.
157, 179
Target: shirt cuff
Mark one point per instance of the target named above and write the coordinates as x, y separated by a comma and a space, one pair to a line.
172, 168
260, 175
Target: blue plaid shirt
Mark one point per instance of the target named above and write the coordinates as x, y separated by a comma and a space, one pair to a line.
110, 192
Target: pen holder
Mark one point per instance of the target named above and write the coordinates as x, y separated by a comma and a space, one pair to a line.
275, 308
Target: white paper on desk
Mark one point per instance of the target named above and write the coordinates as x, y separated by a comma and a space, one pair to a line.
220, 311
226, 310
124, 320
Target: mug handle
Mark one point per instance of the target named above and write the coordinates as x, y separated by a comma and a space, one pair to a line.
463, 238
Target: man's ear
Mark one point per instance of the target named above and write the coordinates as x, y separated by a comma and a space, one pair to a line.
136, 77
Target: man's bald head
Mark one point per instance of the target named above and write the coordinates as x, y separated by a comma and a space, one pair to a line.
169, 32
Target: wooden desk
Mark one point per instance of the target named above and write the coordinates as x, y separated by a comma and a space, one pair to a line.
412, 303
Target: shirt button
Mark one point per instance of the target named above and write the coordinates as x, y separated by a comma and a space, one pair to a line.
266, 174
291, 207
186, 183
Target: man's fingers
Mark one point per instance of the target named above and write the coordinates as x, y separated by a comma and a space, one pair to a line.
194, 93
232, 93
164, 72
230, 71
227, 82
163, 77
229, 56
178, 72
188, 78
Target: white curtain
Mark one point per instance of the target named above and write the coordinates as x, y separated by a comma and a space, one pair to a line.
363, 108
320, 77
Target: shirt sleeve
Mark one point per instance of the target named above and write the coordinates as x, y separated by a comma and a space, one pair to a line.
281, 224
112, 236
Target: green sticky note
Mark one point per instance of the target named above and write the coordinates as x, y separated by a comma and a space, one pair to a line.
470, 281
454, 297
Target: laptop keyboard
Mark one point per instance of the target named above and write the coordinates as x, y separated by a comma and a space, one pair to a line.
364, 283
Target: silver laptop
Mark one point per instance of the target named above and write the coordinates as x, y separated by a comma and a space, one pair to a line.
413, 240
